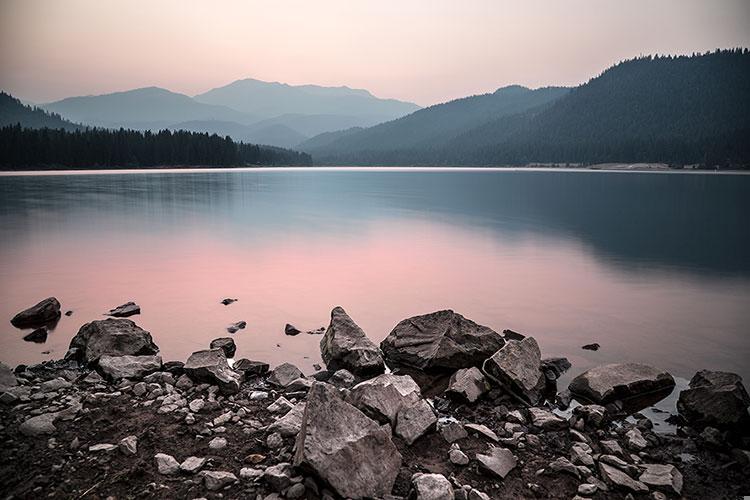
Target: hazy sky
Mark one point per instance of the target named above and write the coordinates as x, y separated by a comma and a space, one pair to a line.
425, 51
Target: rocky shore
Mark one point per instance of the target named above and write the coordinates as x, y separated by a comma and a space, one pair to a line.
443, 408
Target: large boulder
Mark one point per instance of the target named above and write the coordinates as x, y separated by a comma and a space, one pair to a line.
468, 384
210, 366
46, 311
344, 447
414, 420
517, 367
345, 345
134, 367
116, 337
226, 344
716, 399
290, 424
440, 341
382, 397
607, 383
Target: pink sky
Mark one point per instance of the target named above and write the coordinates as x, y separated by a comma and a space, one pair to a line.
422, 51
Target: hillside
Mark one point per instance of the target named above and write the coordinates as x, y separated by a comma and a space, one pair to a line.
13, 111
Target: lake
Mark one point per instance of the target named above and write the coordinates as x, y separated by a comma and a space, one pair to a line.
652, 266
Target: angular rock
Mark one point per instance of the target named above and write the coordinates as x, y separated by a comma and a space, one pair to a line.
468, 384
125, 310
483, 430
592, 415
291, 330
662, 477
39, 425
591, 347
284, 374
134, 367
458, 457
336, 439
281, 405
228, 301
7, 377
251, 367
236, 327
166, 464
553, 368
614, 476
499, 461
210, 366
431, 487
116, 337
342, 378
635, 440
517, 367
217, 443
382, 397
46, 311
345, 345
226, 344
105, 447
54, 385
278, 476
217, 480
301, 384
440, 341
290, 424
414, 420
716, 399
562, 464
192, 465
453, 431
606, 383
38, 336
128, 445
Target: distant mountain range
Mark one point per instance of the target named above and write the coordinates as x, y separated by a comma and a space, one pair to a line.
13, 111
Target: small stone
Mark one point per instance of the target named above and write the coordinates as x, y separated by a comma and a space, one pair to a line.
458, 457
547, 420
291, 330
453, 431
591, 347
196, 405
274, 441
499, 461
635, 440
483, 430
166, 464
102, 447
586, 489
250, 474
217, 480
192, 465
217, 443
431, 487
128, 445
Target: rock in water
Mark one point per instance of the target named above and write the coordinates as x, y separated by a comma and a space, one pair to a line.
38, 336
117, 337
517, 367
291, 330
607, 383
591, 347
468, 384
431, 487
228, 301
554, 367
716, 399
226, 344
211, 366
345, 345
443, 340
343, 446
117, 367
235, 327
499, 461
46, 311
125, 310
284, 374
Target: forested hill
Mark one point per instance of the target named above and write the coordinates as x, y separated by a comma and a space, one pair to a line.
13, 111
680, 110
24, 148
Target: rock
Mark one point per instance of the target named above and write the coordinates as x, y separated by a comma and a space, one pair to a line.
587, 489
606, 383
499, 461
210, 366
226, 302
135, 367
105, 447
453, 431
483, 430
217, 443
290, 424
125, 310
580, 454
443, 340
468, 384
217, 480
291, 330
251, 367
611, 447
236, 327
274, 441
166, 464
616, 477
226, 344
662, 477
431, 487
301, 384
54, 385
39, 425
196, 405
176, 368
192, 465
45, 312
128, 445
458, 457
38, 336
414, 420
281, 405
554, 367
591, 347
635, 440
295, 491
7, 377
547, 420
336, 438
382, 397
116, 337
345, 345
562, 464
250, 474
592, 415
342, 379
279, 476
716, 399
516, 367
284, 375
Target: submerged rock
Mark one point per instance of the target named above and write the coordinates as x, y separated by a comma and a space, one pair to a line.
211, 366
517, 367
607, 383
443, 340
337, 439
125, 310
228, 301
116, 337
345, 345
46, 311
134, 367
468, 384
716, 399
38, 336
226, 344
235, 327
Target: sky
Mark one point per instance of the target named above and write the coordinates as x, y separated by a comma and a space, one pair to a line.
423, 51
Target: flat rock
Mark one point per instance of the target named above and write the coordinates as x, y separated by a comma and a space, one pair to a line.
226, 344
431, 487
284, 374
336, 438
553, 368
38, 336
468, 384
166, 464
483, 430
414, 420
116, 337
251, 367
614, 476
133, 367
517, 367
458, 457
606, 383
382, 397
54, 384
39, 425
125, 310
441, 341
662, 477
236, 327
345, 345
635, 440
228, 301
210, 366
45, 312
562, 464
716, 399
290, 424
342, 378
215, 480
453, 431
499, 461
192, 465
547, 420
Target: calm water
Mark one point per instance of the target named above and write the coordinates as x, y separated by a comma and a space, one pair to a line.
654, 267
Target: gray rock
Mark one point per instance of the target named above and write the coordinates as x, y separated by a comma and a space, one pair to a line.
210, 366
414, 420
39, 425
133, 367
607, 383
105, 447
547, 420
553, 368
592, 415
301, 384
251, 367
342, 379
192, 465
443, 340
295, 491
54, 385
217, 480
468, 384
217, 443
281, 405
499, 461
716, 399
635, 440
284, 374
336, 438
274, 441
382, 397
38, 336
166, 464
662, 477
614, 476
290, 424
458, 457
116, 337
562, 464
7, 377
279, 476
125, 310
128, 445
236, 327
587, 489
250, 474
46, 311
483, 430
517, 367
431, 487
345, 345
453, 431
580, 454
611, 447
226, 344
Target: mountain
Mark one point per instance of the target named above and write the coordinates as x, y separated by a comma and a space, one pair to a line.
429, 128
13, 111
272, 99
670, 109
274, 134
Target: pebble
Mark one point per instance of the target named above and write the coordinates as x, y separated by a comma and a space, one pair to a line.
217, 443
